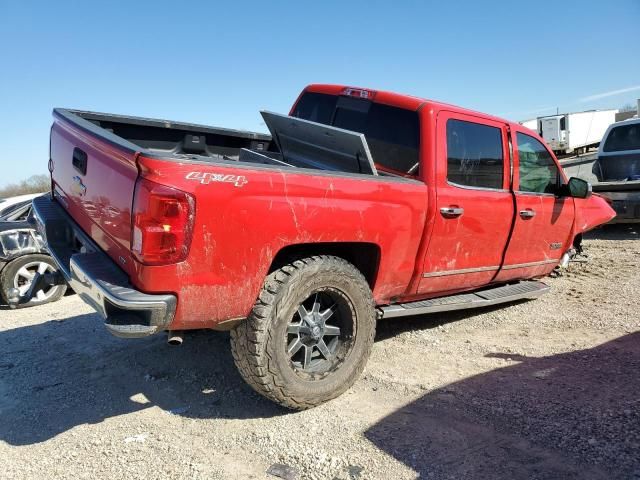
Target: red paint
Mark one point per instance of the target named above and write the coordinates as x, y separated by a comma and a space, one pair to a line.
246, 217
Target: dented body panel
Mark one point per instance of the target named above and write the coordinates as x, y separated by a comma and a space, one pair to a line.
247, 213
16, 242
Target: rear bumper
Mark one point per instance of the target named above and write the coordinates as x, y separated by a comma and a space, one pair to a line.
97, 279
625, 204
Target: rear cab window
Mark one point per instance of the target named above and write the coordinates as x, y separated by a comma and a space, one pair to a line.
392, 133
623, 138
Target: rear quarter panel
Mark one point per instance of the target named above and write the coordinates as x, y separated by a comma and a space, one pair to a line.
241, 225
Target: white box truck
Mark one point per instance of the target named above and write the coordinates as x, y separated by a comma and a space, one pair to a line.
576, 132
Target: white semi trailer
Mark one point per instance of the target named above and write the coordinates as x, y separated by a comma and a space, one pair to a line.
576, 132
531, 124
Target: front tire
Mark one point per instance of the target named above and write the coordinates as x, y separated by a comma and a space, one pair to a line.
310, 332
18, 274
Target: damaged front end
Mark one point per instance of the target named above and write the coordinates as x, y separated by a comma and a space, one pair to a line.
592, 212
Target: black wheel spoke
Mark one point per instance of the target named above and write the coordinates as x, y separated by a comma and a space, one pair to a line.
313, 346
294, 328
331, 330
324, 350
302, 312
308, 353
326, 315
304, 330
294, 346
316, 306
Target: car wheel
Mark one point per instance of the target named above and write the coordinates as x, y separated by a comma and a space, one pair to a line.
20, 272
309, 334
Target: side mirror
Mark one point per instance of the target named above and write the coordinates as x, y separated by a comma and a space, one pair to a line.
578, 188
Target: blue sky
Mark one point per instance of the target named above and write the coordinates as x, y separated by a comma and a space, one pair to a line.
219, 63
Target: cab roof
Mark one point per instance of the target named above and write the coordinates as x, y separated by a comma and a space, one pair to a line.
408, 102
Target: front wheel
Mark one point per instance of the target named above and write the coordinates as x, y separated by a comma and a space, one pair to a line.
309, 334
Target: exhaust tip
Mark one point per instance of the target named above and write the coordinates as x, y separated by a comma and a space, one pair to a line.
175, 338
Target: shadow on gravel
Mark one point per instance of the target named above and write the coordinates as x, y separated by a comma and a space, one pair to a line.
60, 374
572, 416
618, 231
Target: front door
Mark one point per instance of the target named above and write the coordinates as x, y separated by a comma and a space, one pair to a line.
544, 219
474, 204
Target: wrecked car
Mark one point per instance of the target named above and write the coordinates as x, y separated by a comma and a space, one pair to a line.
361, 205
22, 255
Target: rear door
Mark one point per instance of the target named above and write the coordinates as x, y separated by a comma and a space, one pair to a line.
474, 204
544, 219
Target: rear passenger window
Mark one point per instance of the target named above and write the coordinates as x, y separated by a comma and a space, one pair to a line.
538, 172
625, 137
474, 154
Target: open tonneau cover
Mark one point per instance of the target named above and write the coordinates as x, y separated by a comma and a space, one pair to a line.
315, 145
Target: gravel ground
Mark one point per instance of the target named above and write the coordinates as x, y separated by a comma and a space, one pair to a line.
540, 389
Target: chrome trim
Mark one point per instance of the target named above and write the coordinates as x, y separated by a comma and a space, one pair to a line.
488, 269
452, 211
520, 192
459, 272
484, 189
530, 264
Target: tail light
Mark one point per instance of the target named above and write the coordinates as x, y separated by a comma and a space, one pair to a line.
162, 223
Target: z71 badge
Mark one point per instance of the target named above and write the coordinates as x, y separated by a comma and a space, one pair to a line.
206, 178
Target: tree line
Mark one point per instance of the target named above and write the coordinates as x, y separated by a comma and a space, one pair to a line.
33, 184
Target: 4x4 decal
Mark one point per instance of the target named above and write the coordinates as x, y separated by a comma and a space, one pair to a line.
206, 178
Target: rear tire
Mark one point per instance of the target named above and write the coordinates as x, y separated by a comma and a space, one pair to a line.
17, 273
310, 332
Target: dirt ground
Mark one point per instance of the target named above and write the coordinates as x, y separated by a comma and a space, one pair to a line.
541, 389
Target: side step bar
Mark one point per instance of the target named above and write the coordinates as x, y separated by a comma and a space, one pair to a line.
461, 301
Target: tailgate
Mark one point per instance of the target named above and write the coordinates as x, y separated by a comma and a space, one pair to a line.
93, 177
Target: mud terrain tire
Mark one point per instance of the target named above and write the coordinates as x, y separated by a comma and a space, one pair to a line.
262, 344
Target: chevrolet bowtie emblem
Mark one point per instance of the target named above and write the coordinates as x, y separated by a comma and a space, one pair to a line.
78, 187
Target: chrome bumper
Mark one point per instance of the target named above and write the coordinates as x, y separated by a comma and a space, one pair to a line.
97, 279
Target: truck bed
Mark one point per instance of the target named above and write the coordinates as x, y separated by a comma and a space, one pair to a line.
167, 138
249, 204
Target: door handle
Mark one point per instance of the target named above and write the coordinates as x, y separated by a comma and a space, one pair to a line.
527, 213
451, 211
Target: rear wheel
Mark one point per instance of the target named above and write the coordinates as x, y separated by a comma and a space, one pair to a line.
20, 272
309, 334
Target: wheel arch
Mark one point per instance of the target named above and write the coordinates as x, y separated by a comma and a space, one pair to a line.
365, 256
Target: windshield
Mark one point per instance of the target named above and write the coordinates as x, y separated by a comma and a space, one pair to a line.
392, 133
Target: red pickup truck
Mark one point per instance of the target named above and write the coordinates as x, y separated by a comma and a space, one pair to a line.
360, 205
